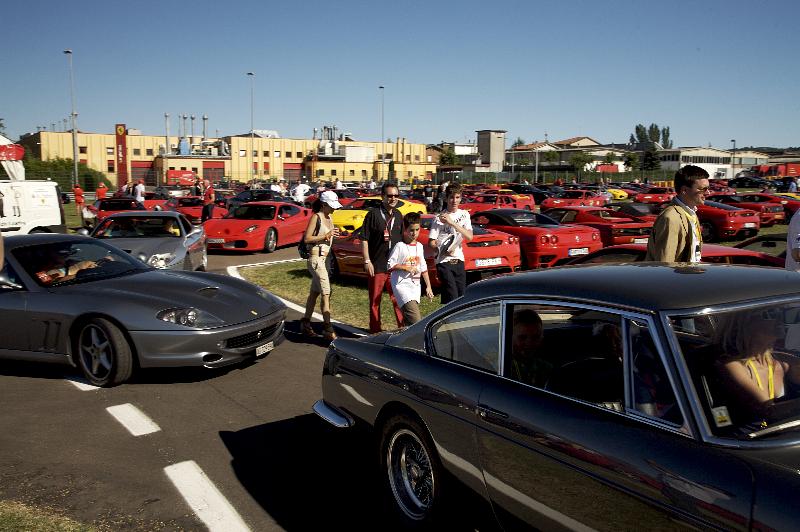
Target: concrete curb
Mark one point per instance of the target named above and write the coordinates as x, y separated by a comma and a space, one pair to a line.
233, 271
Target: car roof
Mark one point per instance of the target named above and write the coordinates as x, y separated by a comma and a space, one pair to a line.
690, 285
139, 214
11, 242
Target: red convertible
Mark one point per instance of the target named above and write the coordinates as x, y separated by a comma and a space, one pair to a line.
542, 240
574, 197
257, 226
192, 208
488, 252
615, 227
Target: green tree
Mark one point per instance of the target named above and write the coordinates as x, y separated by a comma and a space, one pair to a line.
549, 156
650, 160
609, 158
60, 171
579, 160
631, 161
654, 133
448, 157
3, 126
632, 139
666, 142
641, 134
518, 142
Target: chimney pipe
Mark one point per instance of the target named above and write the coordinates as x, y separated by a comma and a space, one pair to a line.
205, 125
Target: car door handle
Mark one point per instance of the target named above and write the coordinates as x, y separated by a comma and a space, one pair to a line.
485, 411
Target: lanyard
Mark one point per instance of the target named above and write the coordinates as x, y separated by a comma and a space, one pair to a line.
389, 225
771, 372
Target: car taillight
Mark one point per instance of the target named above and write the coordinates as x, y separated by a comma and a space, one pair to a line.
595, 236
553, 239
548, 239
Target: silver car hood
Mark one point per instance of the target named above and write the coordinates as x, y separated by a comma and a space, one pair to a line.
147, 247
232, 300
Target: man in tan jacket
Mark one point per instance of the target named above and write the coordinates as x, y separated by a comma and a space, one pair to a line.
676, 235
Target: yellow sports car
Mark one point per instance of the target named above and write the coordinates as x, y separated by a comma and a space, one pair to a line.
350, 217
617, 194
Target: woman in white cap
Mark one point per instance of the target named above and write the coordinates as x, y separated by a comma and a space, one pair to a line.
319, 236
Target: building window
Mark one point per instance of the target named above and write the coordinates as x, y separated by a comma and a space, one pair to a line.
430, 159
321, 172
363, 173
266, 153
299, 155
416, 158
82, 149
409, 175
149, 151
194, 170
111, 166
183, 168
352, 173
408, 158
109, 151
172, 168
137, 151
333, 173
288, 155
242, 153
255, 153
277, 154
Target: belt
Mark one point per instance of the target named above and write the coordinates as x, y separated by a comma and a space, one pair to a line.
450, 261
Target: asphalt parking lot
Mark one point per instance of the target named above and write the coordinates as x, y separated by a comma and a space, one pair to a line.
230, 449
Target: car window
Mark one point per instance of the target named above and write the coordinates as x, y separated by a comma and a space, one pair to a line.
576, 353
653, 394
8, 272
187, 225
470, 337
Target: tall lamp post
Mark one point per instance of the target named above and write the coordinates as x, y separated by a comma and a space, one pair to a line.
74, 117
733, 158
252, 76
383, 148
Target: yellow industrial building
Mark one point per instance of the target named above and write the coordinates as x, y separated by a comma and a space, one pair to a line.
127, 153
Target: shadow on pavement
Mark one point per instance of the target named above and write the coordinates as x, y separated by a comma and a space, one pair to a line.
307, 475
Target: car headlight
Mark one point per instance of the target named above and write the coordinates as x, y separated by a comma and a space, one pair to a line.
251, 229
161, 260
190, 317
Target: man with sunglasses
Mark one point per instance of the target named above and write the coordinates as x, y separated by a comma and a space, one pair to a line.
676, 235
383, 228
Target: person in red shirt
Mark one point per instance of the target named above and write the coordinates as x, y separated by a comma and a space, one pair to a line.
78, 191
100, 191
208, 201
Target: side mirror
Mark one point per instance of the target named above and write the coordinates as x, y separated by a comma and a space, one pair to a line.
83, 231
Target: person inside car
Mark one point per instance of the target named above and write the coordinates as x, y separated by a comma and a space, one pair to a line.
526, 364
56, 268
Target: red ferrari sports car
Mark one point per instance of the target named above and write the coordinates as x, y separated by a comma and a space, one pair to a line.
488, 201
543, 241
257, 226
573, 197
615, 227
655, 195
97, 211
192, 208
489, 252
769, 212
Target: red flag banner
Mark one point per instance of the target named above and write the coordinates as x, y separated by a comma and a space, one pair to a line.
11, 152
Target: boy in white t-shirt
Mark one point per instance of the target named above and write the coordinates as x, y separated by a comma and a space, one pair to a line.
407, 264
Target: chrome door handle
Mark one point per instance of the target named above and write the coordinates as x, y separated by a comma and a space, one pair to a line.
485, 411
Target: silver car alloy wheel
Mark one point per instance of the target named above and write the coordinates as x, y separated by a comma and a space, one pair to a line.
96, 351
410, 474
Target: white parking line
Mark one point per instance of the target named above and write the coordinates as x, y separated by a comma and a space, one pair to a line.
133, 419
204, 498
82, 385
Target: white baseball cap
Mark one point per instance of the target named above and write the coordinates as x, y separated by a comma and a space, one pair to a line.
331, 199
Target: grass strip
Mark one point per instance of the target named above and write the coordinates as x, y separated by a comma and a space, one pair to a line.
349, 302
17, 516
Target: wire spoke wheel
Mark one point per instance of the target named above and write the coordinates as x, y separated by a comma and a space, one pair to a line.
411, 474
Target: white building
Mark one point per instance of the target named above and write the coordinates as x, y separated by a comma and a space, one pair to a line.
715, 161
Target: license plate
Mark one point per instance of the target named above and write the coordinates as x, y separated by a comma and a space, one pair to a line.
640, 241
264, 349
216, 241
578, 251
488, 262
749, 225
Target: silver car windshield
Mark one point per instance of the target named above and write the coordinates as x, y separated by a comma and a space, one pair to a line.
745, 366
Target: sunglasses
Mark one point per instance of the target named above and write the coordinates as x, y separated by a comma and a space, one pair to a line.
392, 195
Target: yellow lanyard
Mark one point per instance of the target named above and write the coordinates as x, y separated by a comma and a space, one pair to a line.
771, 373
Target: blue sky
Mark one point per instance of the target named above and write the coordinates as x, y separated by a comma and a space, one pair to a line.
711, 70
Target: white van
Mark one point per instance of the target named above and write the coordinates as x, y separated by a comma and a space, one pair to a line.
31, 207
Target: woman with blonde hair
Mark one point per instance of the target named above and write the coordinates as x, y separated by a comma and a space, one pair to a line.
319, 236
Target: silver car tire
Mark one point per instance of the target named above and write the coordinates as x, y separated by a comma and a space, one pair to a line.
103, 353
413, 472
271, 240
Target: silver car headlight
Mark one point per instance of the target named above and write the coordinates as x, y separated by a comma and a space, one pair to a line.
190, 317
161, 260
251, 228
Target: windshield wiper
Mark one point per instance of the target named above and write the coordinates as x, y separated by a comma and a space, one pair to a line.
773, 429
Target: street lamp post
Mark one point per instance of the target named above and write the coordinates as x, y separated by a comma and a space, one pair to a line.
383, 148
252, 76
733, 159
74, 117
